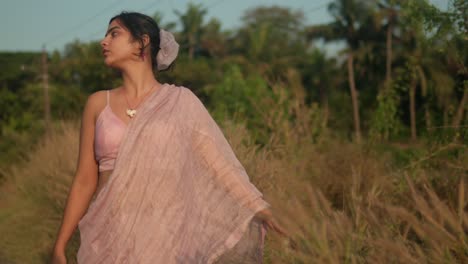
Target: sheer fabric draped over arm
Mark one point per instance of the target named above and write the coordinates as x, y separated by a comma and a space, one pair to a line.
217, 154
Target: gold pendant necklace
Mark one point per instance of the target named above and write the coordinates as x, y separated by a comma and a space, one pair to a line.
131, 111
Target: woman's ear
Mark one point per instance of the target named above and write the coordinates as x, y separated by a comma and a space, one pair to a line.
146, 40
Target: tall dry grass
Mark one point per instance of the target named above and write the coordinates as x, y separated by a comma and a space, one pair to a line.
347, 203
34, 195
340, 202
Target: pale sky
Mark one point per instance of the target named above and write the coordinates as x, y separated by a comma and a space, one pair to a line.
25, 25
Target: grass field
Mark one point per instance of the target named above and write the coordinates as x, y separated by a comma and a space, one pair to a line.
341, 202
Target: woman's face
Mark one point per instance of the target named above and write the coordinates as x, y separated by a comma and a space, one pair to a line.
117, 45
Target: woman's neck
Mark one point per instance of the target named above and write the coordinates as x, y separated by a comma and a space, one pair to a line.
137, 80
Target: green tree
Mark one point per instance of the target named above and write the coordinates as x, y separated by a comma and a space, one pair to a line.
425, 34
159, 18
239, 97
213, 41
388, 13
82, 65
192, 27
320, 77
350, 20
272, 39
458, 54
17, 71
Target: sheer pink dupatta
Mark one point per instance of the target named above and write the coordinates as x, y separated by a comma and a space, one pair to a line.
177, 194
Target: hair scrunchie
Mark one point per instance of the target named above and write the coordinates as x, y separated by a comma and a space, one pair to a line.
169, 48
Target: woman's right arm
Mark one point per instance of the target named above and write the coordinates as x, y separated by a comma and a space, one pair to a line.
85, 180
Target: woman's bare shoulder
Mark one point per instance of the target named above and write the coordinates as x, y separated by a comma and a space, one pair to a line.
99, 97
95, 103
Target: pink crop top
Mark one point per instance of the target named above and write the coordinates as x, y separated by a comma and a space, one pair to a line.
108, 133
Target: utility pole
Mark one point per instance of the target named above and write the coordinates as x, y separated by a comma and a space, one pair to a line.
45, 82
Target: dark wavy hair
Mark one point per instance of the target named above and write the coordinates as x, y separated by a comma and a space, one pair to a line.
138, 25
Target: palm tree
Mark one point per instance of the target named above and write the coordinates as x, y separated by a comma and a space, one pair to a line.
272, 37
350, 16
320, 74
213, 40
423, 68
430, 67
270, 42
388, 12
192, 26
158, 16
458, 54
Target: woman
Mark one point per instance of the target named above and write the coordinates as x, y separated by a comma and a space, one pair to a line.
156, 180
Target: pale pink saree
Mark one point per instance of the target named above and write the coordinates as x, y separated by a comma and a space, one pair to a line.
177, 194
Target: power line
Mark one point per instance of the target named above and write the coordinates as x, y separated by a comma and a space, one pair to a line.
141, 10
153, 4
215, 4
316, 8
78, 26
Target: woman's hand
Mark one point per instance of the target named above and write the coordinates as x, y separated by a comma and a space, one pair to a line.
270, 221
58, 257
